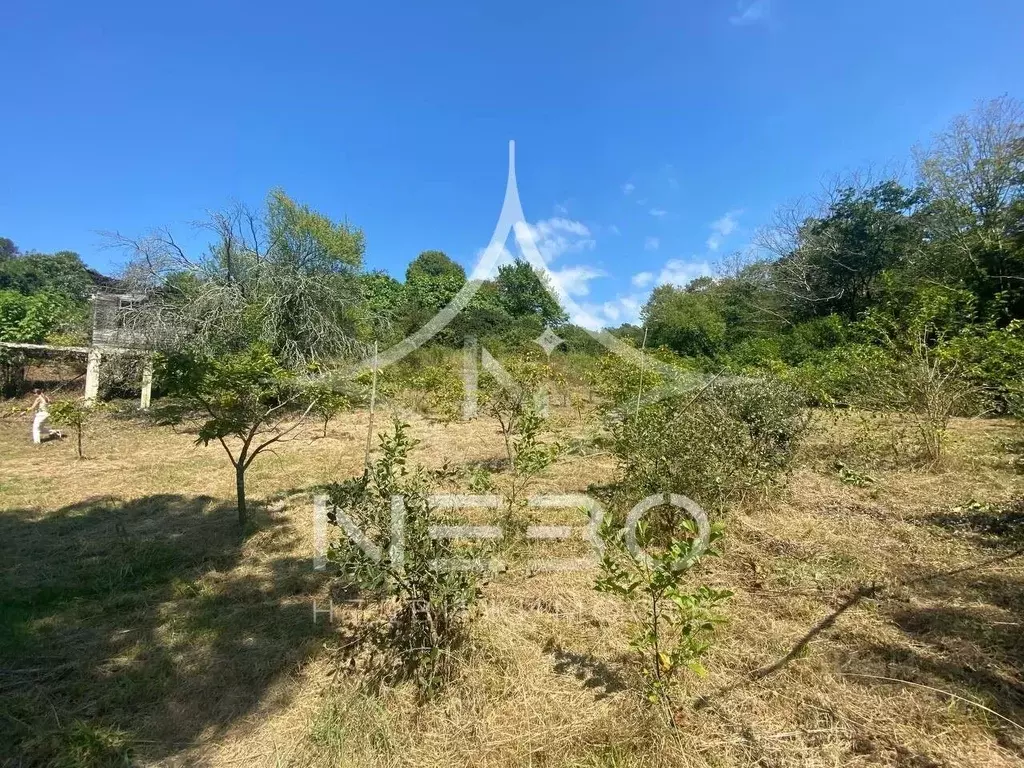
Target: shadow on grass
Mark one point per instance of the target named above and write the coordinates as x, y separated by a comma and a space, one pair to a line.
965, 638
595, 674
134, 627
991, 526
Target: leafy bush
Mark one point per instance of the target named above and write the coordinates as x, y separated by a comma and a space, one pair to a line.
429, 600
674, 626
916, 375
35, 319
717, 445
438, 391
992, 359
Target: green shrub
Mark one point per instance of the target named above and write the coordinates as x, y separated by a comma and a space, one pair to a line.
427, 604
37, 318
719, 445
992, 359
437, 391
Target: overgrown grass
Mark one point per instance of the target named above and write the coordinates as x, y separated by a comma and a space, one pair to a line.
138, 625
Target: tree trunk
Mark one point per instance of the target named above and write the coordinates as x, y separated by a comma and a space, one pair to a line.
78, 435
243, 514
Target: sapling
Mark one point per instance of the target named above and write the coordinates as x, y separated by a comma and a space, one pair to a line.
675, 624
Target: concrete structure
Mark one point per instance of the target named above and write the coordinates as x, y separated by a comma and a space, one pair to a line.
109, 337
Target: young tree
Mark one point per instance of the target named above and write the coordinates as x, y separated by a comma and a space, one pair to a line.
246, 401
674, 627
75, 414
427, 599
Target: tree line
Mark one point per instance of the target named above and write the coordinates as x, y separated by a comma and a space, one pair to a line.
861, 267
933, 262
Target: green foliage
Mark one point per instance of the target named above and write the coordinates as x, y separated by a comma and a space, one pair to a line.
675, 624
246, 401
383, 298
60, 273
917, 373
8, 249
35, 319
513, 403
431, 281
438, 391
850, 476
284, 277
328, 402
841, 255
684, 320
429, 605
717, 445
75, 414
85, 744
523, 291
617, 381
992, 360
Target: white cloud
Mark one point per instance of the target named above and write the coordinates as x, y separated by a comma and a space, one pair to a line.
621, 309
659, 212
721, 228
652, 244
627, 188
643, 279
487, 269
679, 272
574, 281
555, 237
562, 209
751, 12
614, 230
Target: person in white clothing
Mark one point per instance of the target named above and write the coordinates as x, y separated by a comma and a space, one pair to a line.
40, 406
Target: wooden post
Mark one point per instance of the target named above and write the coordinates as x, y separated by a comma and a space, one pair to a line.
640, 389
147, 383
373, 403
92, 374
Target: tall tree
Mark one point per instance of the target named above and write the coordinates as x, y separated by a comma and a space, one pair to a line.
524, 292
686, 321
975, 171
830, 263
62, 272
285, 276
431, 281
8, 250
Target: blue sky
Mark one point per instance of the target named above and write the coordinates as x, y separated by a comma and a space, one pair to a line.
652, 137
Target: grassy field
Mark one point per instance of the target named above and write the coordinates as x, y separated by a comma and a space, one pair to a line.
872, 624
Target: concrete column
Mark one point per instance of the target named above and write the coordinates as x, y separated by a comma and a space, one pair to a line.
147, 383
92, 375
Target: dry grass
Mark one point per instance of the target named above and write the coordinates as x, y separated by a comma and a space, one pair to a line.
136, 617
